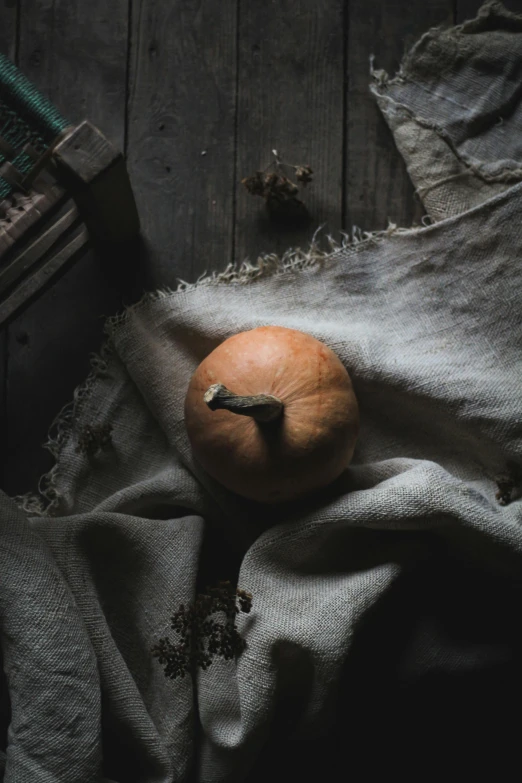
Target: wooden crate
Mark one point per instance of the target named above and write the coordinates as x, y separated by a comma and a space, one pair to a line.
62, 192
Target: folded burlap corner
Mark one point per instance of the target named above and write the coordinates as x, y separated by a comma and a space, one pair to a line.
459, 133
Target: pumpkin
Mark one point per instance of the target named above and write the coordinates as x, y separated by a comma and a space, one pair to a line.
271, 414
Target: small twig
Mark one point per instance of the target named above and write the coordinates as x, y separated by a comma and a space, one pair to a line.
276, 156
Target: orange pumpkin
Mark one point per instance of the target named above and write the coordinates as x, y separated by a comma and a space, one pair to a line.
271, 414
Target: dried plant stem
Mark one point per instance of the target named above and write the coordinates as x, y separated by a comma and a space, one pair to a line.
262, 407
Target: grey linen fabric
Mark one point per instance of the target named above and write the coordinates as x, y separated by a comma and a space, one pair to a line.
383, 637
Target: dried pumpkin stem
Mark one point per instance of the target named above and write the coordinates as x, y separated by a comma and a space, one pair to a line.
261, 407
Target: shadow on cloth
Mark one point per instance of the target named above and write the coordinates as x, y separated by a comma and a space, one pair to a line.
432, 684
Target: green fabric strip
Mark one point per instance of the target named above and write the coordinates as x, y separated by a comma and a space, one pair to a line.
26, 116
27, 101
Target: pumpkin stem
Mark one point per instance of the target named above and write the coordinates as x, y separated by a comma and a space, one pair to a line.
261, 407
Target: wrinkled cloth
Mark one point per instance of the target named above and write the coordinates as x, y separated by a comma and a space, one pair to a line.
455, 111
384, 632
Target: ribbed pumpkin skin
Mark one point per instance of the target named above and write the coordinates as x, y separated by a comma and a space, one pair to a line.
307, 448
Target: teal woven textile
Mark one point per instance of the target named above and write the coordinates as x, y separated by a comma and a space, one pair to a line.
26, 117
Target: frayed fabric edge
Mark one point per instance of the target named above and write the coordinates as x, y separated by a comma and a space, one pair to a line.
45, 502
506, 175
267, 265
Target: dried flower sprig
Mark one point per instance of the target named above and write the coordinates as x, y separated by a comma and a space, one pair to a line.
93, 438
201, 636
507, 483
505, 486
304, 174
280, 192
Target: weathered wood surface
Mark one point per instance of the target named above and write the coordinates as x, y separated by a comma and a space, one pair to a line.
181, 133
290, 98
8, 28
198, 94
94, 171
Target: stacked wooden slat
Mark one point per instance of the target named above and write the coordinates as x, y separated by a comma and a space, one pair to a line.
77, 192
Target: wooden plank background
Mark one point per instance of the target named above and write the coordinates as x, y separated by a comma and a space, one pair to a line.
198, 94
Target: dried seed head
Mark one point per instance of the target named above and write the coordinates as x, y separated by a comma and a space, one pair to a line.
255, 184
304, 174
